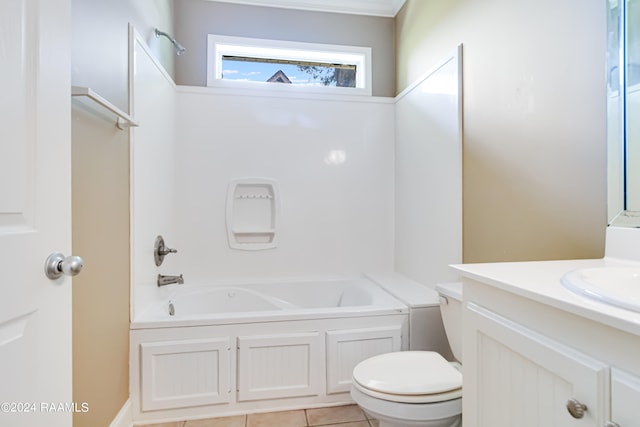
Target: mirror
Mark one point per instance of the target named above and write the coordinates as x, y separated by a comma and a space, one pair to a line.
623, 112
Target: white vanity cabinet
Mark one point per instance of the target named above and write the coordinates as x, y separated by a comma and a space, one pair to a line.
528, 360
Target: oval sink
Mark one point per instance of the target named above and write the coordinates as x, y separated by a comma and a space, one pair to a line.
617, 286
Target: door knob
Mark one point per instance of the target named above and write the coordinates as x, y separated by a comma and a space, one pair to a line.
56, 265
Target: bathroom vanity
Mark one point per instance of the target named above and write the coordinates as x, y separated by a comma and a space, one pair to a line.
538, 354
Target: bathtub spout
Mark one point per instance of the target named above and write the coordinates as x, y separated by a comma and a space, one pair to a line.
168, 280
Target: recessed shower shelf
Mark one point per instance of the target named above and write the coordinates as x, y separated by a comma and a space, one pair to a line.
256, 239
254, 196
123, 120
252, 212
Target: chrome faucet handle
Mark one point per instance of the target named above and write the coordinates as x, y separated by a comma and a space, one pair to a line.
160, 250
166, 251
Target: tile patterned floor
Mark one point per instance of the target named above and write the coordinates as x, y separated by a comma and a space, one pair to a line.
336, 416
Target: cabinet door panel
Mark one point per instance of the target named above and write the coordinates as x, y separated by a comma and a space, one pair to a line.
348, 347
519, 377
185, 373
625, 398
279, 365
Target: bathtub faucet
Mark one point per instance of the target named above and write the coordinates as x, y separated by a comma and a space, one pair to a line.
168, 280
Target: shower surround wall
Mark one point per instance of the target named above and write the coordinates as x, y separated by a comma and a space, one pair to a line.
332, 160
153, 188
343, 171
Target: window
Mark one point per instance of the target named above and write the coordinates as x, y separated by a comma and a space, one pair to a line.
234, 61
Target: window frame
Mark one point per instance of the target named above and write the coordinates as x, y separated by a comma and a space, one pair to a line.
219, 46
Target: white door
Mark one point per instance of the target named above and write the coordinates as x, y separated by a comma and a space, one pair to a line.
35, 212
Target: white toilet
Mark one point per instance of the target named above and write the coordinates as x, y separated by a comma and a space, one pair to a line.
416, 388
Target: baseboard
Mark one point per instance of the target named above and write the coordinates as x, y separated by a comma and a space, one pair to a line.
124, 417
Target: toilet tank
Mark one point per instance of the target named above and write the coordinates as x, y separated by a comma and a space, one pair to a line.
451, 311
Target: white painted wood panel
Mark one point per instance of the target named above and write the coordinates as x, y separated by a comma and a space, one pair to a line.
625, 398
347, 348
16, 177
279, 365
522, 378
235, 406
185, 373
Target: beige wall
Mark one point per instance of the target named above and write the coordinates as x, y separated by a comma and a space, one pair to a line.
534, 119
100, 193
195, 19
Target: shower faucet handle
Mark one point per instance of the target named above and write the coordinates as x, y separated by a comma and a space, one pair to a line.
166, 251
160, 250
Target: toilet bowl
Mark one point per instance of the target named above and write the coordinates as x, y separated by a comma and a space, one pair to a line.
416, 388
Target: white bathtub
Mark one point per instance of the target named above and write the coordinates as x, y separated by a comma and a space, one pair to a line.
191, 305
258, 347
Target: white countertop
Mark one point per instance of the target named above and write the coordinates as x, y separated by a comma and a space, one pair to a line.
540, 281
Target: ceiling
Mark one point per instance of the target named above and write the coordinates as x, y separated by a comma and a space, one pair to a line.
387, 8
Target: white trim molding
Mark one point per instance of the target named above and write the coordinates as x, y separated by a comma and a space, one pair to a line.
124, 417
218, 46
384, 8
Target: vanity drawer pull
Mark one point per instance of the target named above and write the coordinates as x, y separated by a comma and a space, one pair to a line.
575, 408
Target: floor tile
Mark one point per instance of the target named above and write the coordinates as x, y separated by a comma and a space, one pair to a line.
176, 424
354, 424
335, 415
237, 421
277, 419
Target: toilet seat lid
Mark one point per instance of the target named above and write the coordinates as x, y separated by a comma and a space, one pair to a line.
408, 373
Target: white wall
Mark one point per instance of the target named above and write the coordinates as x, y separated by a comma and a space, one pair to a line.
428, 175
153, 176
335, 220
